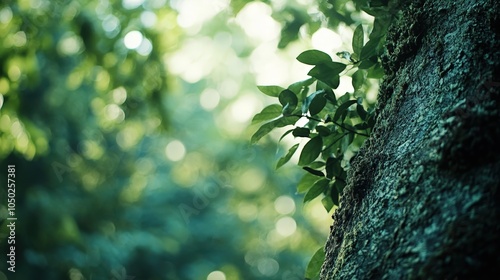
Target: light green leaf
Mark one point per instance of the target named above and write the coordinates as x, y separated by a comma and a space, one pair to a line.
313, 57
311, 151
327, 203
318, 188
287, 157
306, 182
268, 127
314, 266
268, 113
358, 39
273, 91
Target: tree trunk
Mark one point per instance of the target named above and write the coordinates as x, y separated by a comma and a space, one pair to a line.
422, 200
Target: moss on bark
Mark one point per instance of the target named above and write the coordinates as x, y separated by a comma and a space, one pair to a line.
422, 200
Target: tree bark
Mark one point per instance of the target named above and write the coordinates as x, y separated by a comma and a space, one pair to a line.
422, 200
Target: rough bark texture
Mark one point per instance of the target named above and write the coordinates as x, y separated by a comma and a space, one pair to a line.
422, 200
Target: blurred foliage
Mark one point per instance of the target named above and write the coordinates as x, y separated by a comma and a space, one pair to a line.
125, 120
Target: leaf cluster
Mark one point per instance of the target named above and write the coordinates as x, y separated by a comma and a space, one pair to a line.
331, 122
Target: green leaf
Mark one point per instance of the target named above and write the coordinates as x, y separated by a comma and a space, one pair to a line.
376, 72
268, 113
317, 164
301, 132
306, 182
313, 57
323, 130
370, 49
307, 101
314, 172
358, 39
367, 63
268, 127
361, 112
346, 141
285, 134
273, 91
334, 194
311, 151
287, 157
339, 184
342, 108
328, 73
317, 104
314, 266
333, 168
327, 203
358, 79
318, 188
297, 87
289, 101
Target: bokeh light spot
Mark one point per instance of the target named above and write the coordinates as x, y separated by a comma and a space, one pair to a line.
175, 150
133, 39
286, 226
284, 205
268, 266
216, 275
209, 99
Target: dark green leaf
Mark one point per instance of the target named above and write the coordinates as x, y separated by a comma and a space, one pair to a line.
273, 91
323, 130
314, 57
301, 132
318, 188
334, 194
287, 157
314, 172
268, 127
343, 108
317, 104
306, 182
370, 49
346, 141
268, 113
328, 73
333, 168
361, 111
358, 79
358, 39
362, 126
315, 264
308, 100
339, 184
367, 63
311, 151
289, 101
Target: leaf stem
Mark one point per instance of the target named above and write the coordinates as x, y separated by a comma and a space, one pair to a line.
345, 128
